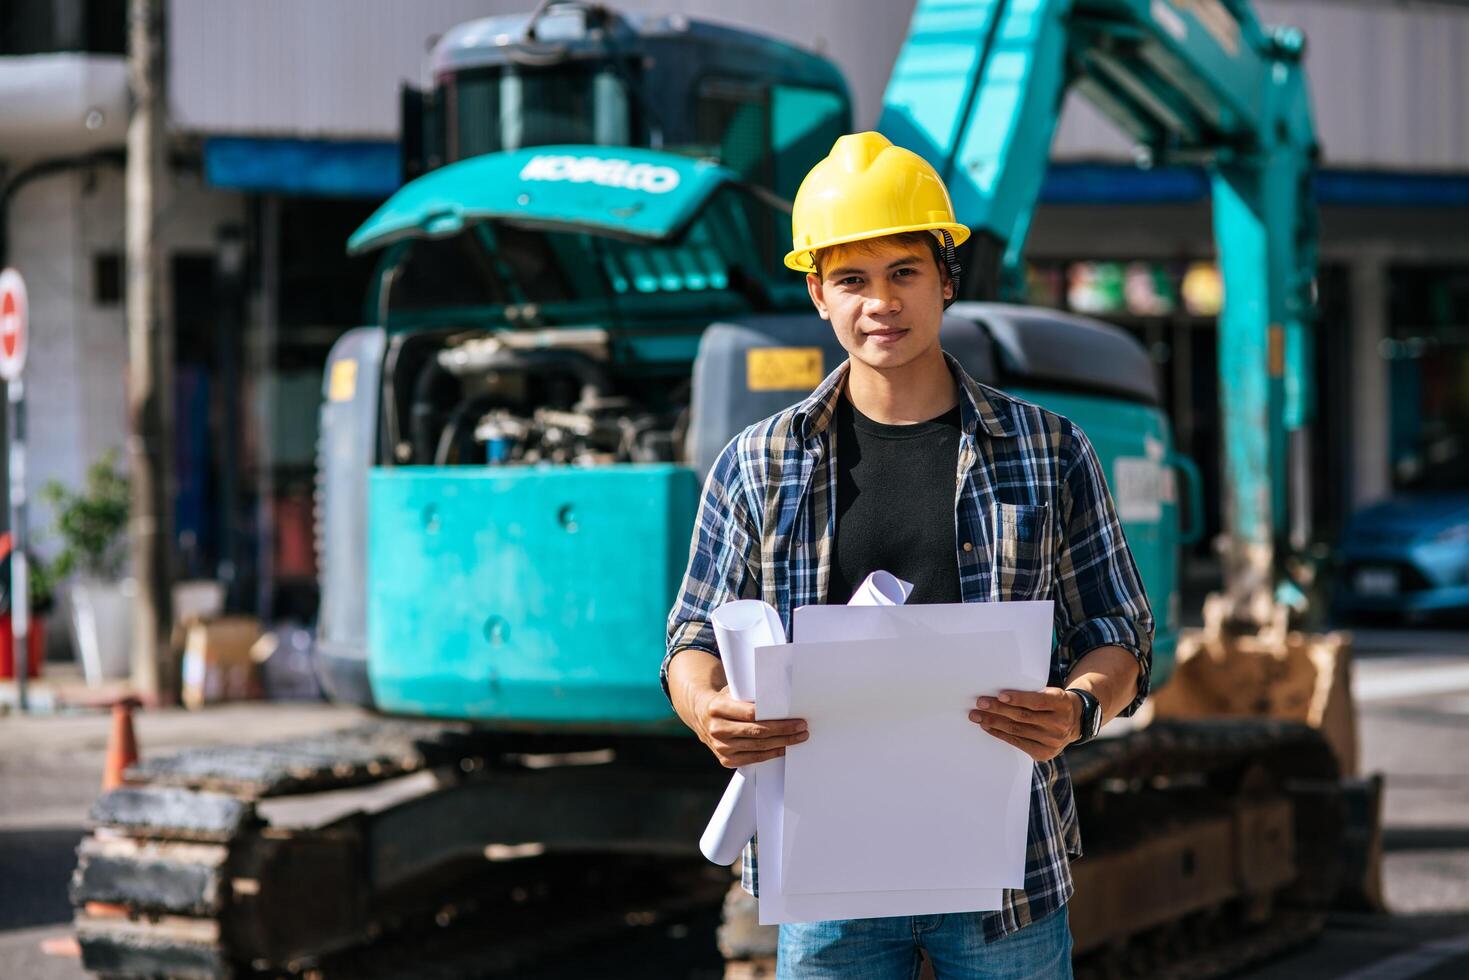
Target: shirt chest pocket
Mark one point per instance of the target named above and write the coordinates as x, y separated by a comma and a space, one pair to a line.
1024, 559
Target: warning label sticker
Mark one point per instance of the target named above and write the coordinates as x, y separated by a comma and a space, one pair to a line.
343, 384
1137, 489
783, 368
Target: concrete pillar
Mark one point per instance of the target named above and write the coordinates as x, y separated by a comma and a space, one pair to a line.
1371, 467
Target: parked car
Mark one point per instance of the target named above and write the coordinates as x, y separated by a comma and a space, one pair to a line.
1408, 555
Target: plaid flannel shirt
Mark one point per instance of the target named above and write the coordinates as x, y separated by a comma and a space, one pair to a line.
1033, 520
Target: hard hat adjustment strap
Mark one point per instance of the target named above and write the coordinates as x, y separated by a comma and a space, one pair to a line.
951, 260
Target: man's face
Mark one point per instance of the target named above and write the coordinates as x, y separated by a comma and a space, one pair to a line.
885, 302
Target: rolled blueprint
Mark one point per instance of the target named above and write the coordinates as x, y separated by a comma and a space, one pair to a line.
881, 589
740, 627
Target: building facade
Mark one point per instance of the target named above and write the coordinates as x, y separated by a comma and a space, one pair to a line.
283, 121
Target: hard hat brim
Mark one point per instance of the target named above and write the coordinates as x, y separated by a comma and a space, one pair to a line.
800, 260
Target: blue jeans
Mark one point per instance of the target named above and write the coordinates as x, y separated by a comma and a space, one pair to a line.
887, 949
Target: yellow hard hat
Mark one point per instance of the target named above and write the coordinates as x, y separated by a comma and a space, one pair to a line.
867, 188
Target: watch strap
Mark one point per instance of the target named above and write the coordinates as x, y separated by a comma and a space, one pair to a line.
1091, 715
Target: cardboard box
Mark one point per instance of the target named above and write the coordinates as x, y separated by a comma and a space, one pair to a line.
218, 665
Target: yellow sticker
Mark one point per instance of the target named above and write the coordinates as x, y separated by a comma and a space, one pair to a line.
344, 381
783, 368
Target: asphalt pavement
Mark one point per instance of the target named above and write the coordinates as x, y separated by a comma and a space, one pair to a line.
50, 772
1412, 689
1412, 692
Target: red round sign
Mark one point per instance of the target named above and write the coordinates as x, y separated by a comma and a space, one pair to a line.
12, 324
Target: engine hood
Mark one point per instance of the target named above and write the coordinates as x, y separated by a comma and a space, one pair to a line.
625, 192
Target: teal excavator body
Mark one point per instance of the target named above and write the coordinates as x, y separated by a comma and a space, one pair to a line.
580, 299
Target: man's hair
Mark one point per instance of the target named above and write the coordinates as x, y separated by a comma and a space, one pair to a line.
870, 246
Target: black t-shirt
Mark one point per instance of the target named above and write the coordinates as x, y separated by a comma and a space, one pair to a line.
895, 504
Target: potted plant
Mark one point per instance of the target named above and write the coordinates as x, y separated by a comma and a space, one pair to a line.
92, 525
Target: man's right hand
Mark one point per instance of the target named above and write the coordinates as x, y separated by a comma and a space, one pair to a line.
700, 694
730, 730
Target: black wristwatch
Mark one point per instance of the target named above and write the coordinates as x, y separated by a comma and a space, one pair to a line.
1091, 715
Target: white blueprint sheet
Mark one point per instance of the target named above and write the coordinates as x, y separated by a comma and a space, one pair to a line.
895, 833
740, 627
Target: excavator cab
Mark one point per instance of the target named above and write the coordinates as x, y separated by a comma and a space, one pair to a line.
580, 73
575, 73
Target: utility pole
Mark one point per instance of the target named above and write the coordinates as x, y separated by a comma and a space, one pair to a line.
150, 361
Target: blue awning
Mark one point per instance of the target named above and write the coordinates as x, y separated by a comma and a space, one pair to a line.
634, 193
323, 168
1105, 183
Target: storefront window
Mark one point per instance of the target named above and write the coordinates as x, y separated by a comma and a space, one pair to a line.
1427, 352
49, 26
1172, 307
1137, 289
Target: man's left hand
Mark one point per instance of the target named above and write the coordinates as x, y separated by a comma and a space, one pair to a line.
1039, 723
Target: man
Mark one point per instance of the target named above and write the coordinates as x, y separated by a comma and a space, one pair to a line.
900, 461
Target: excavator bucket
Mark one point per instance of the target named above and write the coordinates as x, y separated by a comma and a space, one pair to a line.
1273, 673
1285, 675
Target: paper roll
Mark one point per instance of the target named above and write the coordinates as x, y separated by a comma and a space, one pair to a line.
740, 627
722, 842
881, 589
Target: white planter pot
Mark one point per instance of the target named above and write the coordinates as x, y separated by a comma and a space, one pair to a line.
102, 623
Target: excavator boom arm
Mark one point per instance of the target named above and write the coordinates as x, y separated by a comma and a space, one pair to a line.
978, 89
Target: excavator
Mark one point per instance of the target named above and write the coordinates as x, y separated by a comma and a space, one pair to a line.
578, 300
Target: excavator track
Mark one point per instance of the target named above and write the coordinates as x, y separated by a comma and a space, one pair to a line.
363, 853
1210, 845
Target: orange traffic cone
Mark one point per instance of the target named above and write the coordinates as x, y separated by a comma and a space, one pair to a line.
122, 746
122, 751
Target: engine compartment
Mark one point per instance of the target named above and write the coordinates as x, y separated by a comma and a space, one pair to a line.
527, 397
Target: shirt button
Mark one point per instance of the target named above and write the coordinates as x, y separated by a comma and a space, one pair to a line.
968, 546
